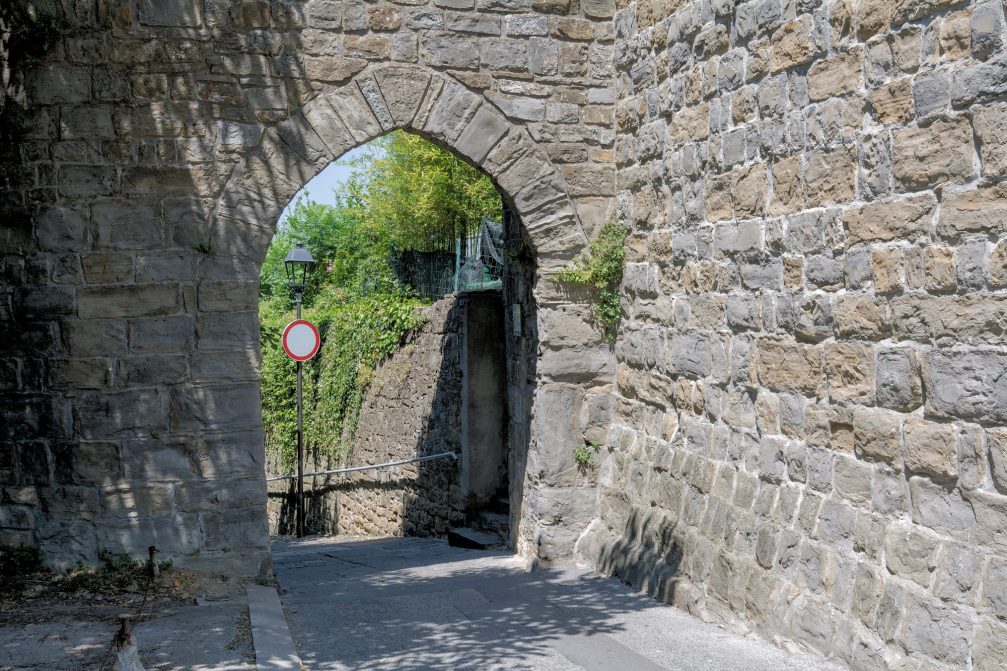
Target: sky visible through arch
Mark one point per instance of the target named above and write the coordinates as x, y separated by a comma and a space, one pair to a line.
321, 188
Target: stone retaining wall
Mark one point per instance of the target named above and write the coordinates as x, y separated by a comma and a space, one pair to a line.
808, 437
412, 408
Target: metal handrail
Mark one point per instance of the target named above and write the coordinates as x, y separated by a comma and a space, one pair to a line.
429, 457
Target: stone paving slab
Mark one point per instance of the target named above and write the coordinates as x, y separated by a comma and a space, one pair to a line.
414, 604
205, 637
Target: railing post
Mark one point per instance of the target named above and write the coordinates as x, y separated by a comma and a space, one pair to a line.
458, 260
300, 439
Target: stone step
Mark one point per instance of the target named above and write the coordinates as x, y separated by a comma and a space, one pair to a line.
494, 522
473, 539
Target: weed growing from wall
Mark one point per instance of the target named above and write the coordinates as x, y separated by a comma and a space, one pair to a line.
601, 268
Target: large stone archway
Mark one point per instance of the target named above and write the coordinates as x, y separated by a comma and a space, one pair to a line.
576, 363
134, 416
435, 105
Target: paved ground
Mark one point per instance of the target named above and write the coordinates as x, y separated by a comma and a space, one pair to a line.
212, 636
409, 604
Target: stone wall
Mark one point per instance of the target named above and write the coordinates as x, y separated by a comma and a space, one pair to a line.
809, 434
412, 408
162, 141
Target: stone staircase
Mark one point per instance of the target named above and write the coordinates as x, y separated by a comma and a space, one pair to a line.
487, 529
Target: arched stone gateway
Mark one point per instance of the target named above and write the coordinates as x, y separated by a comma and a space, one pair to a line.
148, 425
576, 360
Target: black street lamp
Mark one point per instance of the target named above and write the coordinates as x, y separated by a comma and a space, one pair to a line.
299, 264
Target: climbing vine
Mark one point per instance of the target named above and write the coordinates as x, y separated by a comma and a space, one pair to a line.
601, 268
358, 333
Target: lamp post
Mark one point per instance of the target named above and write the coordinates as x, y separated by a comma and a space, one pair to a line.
299, 263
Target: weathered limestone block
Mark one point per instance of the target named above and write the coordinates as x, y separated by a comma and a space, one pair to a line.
930, 448
893, 102
103, 415
911, 553
402, 91
54, 83
552, 458
788, 186
128, 301
853, 480
891, 220
876, 435
862, 316
453, 108
939, 631
214, 407
170, 13
939, 153
988, 650
987, 29
966, 385
794, 43
160, 460
898, 381
383, 18
851, 373
940, 269
931, 94
836, 76
975, 211
888, 269
61, 229
784, 366
750, 190
109, 267
298, 135
941, 508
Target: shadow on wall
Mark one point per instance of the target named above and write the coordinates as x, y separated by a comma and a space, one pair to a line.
646, 555
131, 416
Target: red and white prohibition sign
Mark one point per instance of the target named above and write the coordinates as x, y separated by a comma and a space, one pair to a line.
301, 340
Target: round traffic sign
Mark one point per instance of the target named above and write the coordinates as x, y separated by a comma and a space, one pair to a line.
301, 340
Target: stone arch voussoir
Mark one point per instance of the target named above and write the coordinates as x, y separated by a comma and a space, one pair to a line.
376, 101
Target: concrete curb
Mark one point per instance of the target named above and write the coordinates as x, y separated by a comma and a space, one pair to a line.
274, 649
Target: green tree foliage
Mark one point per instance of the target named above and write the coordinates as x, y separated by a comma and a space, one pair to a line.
420, 194
404, 192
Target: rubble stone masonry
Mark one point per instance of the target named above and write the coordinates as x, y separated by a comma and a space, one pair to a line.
808, 434
413, 407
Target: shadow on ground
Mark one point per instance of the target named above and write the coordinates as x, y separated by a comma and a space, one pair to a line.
411, 604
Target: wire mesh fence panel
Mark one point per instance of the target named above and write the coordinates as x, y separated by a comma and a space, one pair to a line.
475, 264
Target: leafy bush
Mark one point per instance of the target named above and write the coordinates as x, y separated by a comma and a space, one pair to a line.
358, 333
583, 457
601, 268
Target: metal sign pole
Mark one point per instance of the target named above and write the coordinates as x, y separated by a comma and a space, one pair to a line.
300, 440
